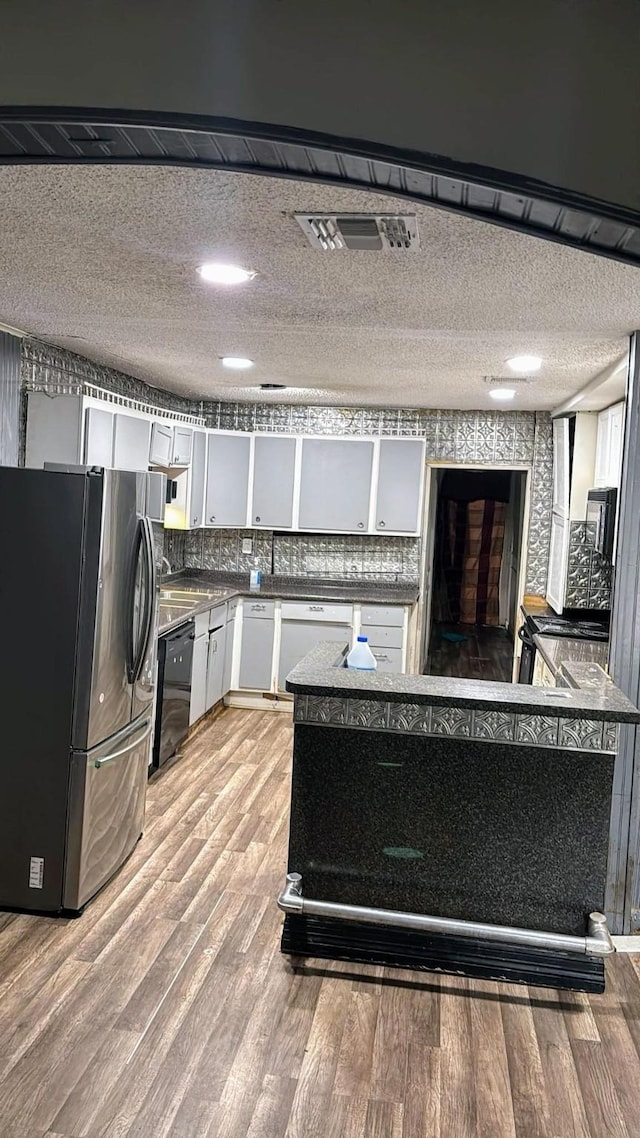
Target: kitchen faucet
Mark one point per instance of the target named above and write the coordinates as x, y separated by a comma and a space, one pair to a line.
165, 561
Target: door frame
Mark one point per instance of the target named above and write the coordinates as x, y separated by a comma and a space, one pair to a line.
427, 551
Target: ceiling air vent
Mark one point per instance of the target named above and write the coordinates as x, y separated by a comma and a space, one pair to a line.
373, 232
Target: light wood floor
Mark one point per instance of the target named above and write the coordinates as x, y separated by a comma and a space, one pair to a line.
167, 1008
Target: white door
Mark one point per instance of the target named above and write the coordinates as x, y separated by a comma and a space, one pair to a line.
558, 559
616, 440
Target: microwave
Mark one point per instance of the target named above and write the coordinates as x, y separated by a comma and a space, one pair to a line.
601, 512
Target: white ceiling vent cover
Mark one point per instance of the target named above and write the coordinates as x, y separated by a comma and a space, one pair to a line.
373, 232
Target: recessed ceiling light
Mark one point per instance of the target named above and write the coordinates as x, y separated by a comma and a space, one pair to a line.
239, 363
273, 387
502, 394
216, 273
525, 364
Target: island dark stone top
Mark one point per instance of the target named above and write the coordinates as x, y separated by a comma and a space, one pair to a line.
322, 673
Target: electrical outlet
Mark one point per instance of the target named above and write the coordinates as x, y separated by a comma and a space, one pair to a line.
247, 545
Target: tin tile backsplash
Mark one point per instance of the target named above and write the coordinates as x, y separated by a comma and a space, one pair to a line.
489, 438
589, 575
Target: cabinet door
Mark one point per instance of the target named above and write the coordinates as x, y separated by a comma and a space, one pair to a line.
131, 440
616, 442
98, 437
197, 475
602, 449
274, 462
182, 445
561, 468
227, 480
298, 637
558, 558
197, 703
400, 476
228, 656
215, 673
335, 485
161, 444
256, 654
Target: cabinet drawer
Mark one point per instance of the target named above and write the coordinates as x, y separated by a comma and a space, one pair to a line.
258, 610
383, 614
317, 610
389, 659
218, 616
384, 637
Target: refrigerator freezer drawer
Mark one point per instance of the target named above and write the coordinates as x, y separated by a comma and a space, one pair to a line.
106, 810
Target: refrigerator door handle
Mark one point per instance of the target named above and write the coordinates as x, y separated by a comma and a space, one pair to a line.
98, 763
144, 540
133, 649
150, 594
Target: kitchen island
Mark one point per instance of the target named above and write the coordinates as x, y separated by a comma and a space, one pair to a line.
451, 824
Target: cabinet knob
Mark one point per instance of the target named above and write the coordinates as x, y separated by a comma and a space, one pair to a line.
381, 525
212, 518
360, 525
195, 521
257, 518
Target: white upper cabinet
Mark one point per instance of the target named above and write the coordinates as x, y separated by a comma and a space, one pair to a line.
196, 477
400, 481
227, 493
274, 472
98, 437
131, 439
161, 444
182, 446
561, 470
609, 446
335, 484
558, 559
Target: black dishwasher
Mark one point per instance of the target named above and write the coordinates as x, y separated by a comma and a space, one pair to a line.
175, 657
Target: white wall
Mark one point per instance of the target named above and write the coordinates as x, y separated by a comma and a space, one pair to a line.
549, 90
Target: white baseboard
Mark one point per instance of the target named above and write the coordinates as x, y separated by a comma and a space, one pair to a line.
627, 943
257, 702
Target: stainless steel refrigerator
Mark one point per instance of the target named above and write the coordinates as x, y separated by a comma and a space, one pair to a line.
77, 674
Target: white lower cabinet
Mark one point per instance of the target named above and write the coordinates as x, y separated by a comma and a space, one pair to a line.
256, 646
198, 701
215, 666
298, 637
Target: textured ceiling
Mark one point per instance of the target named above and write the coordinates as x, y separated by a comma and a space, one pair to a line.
102, 260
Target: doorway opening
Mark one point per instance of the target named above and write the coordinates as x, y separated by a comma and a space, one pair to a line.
474, 578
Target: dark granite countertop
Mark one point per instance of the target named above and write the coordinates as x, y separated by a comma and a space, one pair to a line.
296, 588
221, 587
321, 673
559, 650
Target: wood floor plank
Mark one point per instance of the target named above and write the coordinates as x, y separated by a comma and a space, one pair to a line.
568, 1114
167, 1010
355, 1059
458, 1104
315, 1083
528, 1088
598, 1091
494, 1105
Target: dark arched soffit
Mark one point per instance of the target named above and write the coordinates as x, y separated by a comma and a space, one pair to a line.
73, 136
